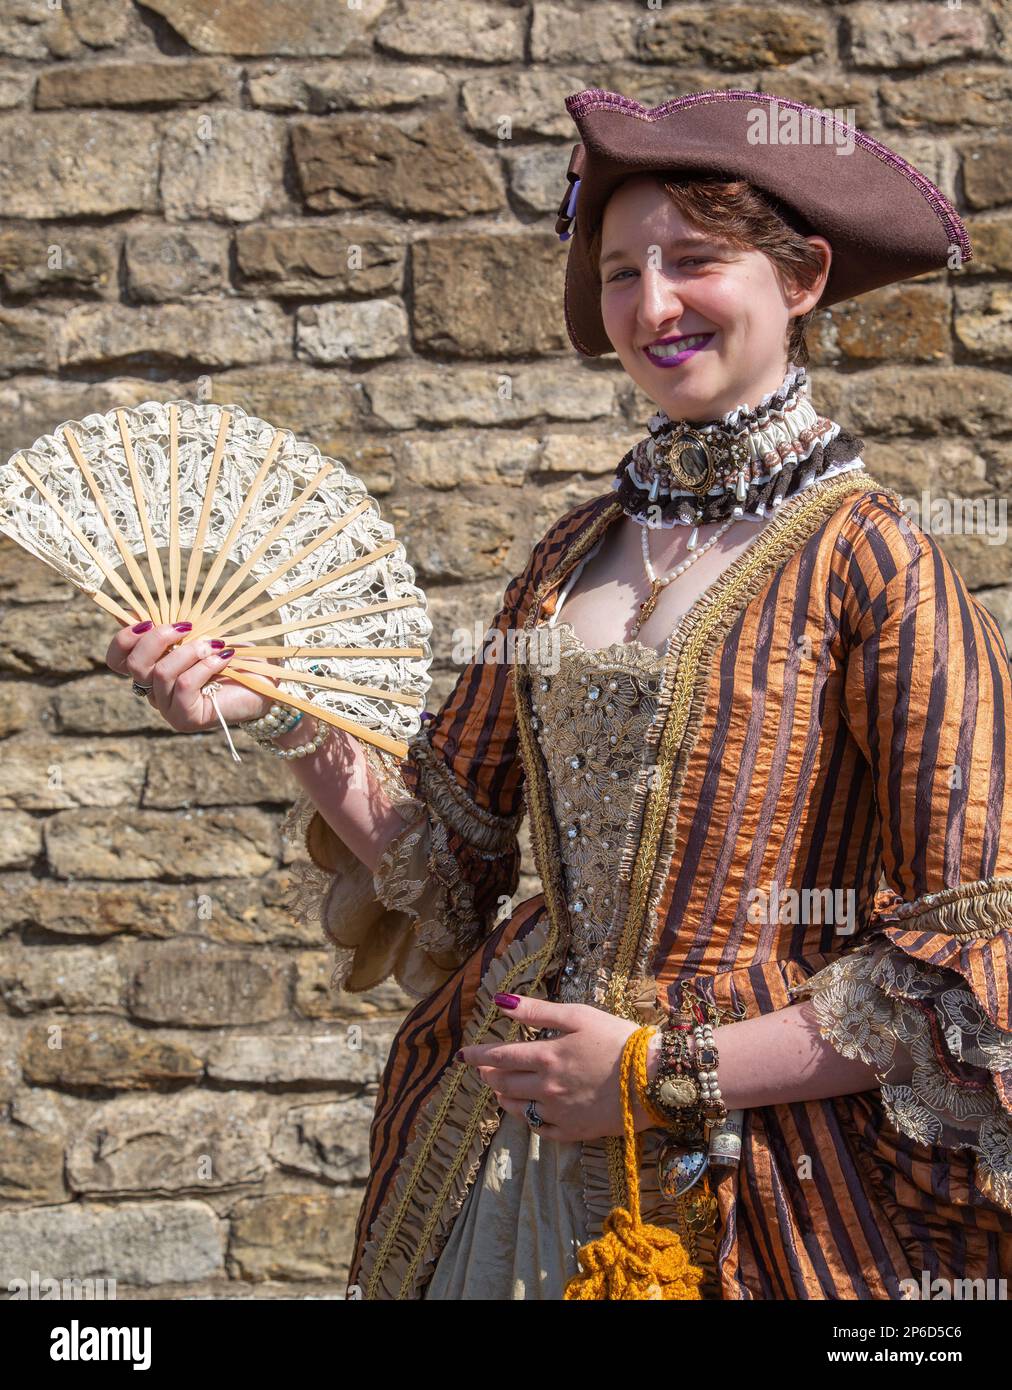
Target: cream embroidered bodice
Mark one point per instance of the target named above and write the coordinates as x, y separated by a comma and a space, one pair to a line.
591, 718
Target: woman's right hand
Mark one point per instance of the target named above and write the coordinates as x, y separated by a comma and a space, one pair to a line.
176, 674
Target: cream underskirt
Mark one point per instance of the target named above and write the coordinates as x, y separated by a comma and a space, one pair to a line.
521, 1224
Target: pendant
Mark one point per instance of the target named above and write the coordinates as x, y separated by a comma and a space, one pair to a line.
690, 459
683, 1177
679, 1167
648, 605
701, 1209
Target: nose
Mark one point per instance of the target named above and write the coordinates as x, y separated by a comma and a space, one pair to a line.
660, 306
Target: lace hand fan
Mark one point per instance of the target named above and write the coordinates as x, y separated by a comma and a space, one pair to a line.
187, 511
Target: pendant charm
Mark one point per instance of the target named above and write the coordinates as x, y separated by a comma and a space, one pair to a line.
690, 460
701, 1210
680, 1166
648, 605
683, 1177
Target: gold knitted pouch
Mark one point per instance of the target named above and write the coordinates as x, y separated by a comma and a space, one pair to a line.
630, 1259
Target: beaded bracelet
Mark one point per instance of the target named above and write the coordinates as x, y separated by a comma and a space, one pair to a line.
711, 1102
279, 721
685, 1096
674, 1093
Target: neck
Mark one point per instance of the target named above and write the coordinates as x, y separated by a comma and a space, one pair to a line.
740, 465
719, 410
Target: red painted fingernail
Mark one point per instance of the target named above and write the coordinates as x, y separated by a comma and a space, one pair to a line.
460, 1054
224, 655
142, 627
182, 627
217, 643
507, 1001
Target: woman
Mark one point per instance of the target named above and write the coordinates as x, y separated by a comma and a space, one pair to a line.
812, 702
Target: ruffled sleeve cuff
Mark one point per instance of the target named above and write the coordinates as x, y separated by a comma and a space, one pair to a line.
934, 977
427, 904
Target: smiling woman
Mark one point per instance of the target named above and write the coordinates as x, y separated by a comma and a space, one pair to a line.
770, 687
705, 258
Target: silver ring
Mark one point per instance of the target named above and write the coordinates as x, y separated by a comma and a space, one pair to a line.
533, 1118
142, 690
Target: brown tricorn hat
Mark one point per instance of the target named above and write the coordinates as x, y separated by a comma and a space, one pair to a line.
883, 218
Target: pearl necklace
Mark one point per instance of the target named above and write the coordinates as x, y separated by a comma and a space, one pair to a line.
659, 582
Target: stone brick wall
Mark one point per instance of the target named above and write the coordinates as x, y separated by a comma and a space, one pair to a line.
179, 187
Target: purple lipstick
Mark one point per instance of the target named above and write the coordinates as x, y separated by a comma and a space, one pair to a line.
673, 353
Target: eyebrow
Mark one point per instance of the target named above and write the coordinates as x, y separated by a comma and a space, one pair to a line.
677, 244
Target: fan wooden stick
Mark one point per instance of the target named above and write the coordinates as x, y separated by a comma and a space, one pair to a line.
223, 627
175, 561
235, 529
277, 629
136, 606
136, 482
197, 552
231, 585
337, 721
218, 626
351, 726
212, 617
267, 668
259, 651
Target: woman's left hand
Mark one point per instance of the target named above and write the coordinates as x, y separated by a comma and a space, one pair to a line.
574, 1078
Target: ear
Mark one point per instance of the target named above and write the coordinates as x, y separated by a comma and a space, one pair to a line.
800, 301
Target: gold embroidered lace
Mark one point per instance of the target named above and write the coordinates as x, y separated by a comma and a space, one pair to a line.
517, 1239
875, 996
591, 719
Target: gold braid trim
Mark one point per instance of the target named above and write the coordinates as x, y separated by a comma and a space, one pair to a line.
388, 1223
680, 709
966, 911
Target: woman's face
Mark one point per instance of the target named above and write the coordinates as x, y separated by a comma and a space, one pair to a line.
653, 288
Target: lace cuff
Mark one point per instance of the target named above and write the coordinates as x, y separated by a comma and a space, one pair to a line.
436, 889
454, 867
933, 977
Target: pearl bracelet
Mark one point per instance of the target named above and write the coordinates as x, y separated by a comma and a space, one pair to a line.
279, 720
305, 750
706, 1058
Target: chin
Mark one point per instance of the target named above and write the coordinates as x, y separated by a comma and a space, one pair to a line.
688, 395
694, 398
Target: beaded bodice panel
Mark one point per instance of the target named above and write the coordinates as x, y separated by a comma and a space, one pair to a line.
591, 718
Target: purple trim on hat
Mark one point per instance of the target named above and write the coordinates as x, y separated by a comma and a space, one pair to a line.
597, 99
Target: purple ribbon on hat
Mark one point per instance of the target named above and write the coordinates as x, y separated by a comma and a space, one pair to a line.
567, 208
570, 212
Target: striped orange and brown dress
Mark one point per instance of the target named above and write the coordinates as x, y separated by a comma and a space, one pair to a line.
831, 715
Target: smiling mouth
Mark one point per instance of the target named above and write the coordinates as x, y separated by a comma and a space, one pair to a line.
662, 350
